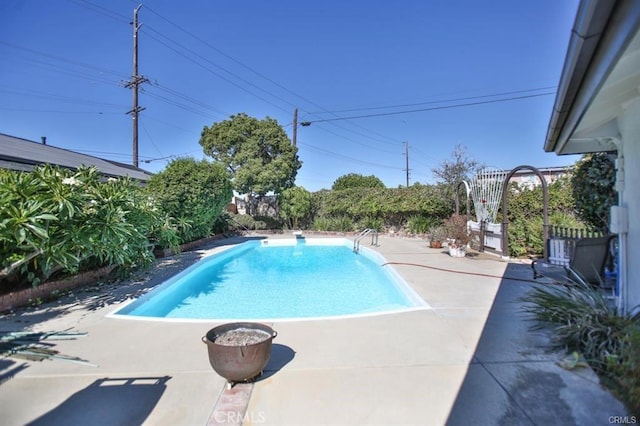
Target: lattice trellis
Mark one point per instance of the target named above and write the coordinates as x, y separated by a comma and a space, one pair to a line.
486, 192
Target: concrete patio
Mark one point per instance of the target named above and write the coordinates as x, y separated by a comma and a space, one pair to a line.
470, 359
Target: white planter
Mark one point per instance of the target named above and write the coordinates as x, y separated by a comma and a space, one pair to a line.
457, 251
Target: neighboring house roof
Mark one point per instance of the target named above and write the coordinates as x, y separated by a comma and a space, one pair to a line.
543, 170
601, 73
22, 154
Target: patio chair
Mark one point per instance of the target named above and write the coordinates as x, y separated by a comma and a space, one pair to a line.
586, 264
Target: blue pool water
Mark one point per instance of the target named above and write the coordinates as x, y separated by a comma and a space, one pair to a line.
276, 279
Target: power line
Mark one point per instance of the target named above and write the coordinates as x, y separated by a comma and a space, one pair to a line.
346, 157
177, 104
102, 10
56, 111
353, 117
354, 141
122, 18
34, 63
219, 51
61, 59
206, 68
187, 98
438, 101
58, 98
230, 57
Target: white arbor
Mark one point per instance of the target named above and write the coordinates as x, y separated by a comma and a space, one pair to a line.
486, 192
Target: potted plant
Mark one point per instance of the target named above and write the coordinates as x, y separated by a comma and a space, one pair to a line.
436, 235
457, 235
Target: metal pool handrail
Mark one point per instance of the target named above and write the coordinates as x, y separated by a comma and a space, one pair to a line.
374, 238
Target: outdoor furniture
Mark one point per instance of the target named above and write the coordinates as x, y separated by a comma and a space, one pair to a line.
586, 263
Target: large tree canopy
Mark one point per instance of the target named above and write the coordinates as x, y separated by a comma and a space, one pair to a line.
257, 153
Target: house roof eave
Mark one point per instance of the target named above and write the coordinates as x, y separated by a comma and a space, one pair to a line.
602, 31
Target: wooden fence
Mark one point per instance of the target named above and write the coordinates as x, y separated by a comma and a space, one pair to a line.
562, 242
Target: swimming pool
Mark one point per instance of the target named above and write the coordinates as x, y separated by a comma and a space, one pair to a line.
279, 279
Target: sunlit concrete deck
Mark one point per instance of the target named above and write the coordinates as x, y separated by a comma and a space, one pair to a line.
469, 359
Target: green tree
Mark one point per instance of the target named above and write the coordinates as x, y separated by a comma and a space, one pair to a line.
295, 206
257, 153
194, 193
453, 171
355, 180
594, 191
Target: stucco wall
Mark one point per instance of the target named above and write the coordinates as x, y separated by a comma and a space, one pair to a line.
629, 125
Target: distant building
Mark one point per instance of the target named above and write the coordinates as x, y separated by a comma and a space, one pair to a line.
24, 155
529, 179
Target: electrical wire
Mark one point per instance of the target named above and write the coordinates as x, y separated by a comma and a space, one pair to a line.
439, 101
102, 10
353, 117
58, 98
206, 68
61, 59
275, 83
346, 157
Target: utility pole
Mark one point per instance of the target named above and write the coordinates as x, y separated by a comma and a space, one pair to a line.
295, 127
136, 80
406, 153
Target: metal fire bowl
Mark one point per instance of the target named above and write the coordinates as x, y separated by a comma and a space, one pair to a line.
239, 363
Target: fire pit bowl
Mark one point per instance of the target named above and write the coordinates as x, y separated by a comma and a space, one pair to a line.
239, 351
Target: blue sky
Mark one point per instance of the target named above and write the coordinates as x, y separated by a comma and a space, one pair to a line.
64, 61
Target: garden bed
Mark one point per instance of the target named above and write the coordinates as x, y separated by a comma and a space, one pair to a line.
50, 289
44, 291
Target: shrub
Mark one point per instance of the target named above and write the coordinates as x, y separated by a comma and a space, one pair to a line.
54, 219
321, 224
295, 207
582, 320
371, 223
419, 224
594, 189
525, 215
355, 180
336, 224
194, 193
242, 222
267, 222
626, 371
456, 229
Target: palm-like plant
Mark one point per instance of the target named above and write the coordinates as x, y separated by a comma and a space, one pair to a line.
582, 319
